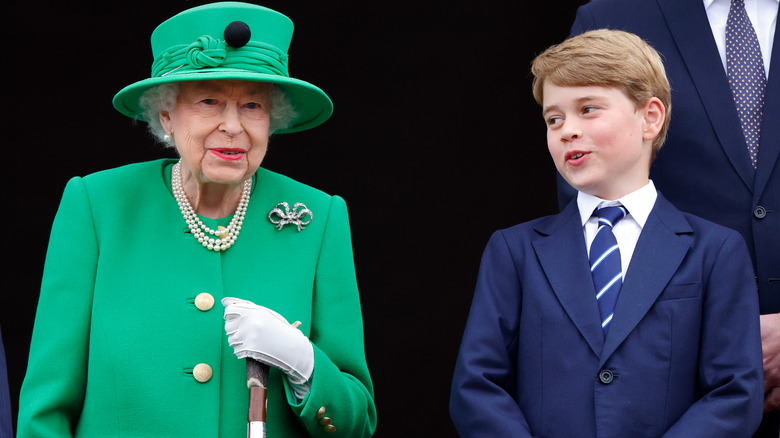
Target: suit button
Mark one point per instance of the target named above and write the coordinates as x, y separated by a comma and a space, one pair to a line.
759, 212
325, 421
202, 372
606, 377
320, 412
330, 428
204, 302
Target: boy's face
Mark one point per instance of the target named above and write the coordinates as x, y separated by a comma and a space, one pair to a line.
599, 142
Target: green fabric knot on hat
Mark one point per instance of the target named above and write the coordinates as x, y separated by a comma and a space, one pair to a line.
206, 52
209, 52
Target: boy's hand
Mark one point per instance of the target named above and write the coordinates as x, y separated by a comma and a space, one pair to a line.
770, 345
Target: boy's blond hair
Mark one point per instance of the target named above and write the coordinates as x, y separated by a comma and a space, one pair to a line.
607, 58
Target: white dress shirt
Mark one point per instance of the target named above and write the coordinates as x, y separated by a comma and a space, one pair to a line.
763, 15
639, 203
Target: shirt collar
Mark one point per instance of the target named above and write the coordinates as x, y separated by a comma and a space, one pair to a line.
639, 203
708, 3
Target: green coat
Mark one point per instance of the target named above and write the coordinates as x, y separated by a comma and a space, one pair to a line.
117, 333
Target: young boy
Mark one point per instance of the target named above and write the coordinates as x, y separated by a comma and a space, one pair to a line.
639, 324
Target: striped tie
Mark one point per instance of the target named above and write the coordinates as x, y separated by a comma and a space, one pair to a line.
745, 69
605, 263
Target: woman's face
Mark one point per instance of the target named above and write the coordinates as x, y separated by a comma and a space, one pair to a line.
220, 129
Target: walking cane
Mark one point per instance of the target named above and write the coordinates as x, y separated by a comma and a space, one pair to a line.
257, 381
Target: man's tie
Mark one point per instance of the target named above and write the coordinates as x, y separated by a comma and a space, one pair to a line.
745, 69
605, 263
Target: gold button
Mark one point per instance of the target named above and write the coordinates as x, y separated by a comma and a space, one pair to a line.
330, 428
204, 302
325, 421
202, 373
321, 412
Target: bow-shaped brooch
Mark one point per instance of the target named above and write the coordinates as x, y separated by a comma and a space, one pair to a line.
295, 217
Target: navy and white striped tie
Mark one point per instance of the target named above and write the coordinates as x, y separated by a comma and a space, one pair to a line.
605, 263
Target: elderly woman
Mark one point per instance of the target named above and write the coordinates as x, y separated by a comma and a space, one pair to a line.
128, 340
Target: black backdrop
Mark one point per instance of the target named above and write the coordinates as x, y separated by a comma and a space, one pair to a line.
435, 142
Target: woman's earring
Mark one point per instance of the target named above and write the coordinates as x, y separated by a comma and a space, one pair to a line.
168, 137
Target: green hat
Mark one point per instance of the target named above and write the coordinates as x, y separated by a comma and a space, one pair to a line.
228, 41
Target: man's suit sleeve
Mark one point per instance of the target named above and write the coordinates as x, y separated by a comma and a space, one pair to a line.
583, 22
482, 402
730, 373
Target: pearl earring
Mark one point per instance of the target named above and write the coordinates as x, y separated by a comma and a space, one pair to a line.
168, 137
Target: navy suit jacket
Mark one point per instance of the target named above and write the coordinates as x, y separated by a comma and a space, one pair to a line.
5, 396
704, 167
682, 357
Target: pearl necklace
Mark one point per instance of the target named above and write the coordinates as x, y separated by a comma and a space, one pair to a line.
216, 240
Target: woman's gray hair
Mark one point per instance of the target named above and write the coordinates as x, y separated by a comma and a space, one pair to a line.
163, 98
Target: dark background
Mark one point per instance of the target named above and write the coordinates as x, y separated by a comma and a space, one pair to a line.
435, 142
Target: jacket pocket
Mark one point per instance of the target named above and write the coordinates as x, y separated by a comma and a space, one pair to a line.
681, 291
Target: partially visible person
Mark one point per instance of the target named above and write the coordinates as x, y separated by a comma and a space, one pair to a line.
621, 316
130, 338
707, 167
6, 423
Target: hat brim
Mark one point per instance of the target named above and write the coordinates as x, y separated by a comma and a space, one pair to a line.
311, 103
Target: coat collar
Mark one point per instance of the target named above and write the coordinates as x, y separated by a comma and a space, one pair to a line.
662, 246
658, 254
769, 144
688, 24
564, 260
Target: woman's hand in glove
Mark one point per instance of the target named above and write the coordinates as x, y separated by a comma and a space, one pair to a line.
266, 336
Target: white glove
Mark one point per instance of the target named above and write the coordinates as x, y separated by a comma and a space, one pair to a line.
266, 336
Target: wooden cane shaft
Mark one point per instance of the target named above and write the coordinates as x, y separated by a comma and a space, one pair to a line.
257, 381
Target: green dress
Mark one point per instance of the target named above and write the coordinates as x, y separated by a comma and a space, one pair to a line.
119, 337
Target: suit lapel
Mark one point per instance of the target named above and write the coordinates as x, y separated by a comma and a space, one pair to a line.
769, 143
657, 256
564, 260
688, 24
